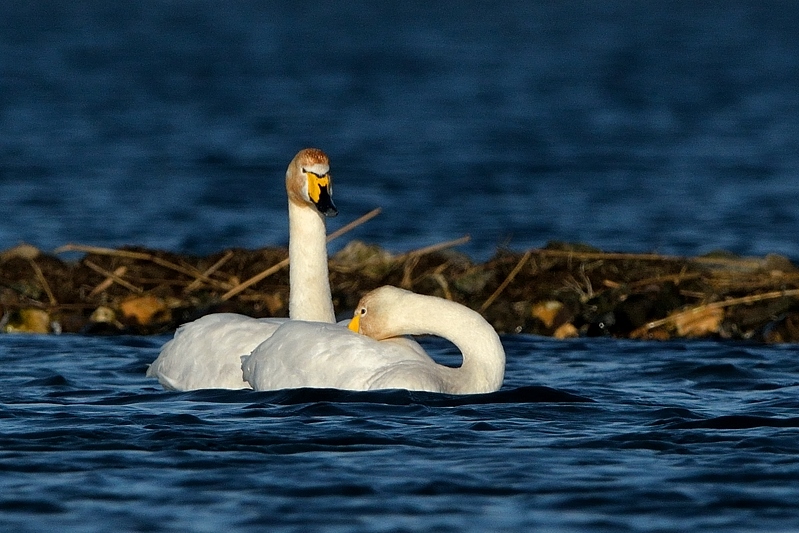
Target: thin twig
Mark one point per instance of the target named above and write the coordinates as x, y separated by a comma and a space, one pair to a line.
411, 259
255, 279
434, 247
210, 270
675, 278
507, 280
442, 282
282, 264
72, 247
354, 224
43, 282
191, 272
720, 305
108, 281
743, 261
407, 272
117, 279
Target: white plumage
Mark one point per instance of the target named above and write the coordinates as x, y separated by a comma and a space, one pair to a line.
207, 353
308, 354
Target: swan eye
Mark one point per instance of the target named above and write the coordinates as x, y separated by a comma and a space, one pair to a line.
355, 323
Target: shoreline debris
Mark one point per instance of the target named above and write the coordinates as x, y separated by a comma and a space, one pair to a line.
561, 290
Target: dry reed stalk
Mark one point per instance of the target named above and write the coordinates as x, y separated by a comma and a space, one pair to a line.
112, 275
407, 271
676, 278
210, 270
411, 259
737, 261
79, 306
354, 224
191, 272
434, 248
719, 305
282, 264
43, 282
507, 281
749, 282
442, 282
108, 281
255, 279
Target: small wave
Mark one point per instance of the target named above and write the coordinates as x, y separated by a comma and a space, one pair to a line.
54, 380
739, 422
519, 395
717, 371
30, 507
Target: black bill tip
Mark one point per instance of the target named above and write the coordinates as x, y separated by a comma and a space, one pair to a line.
325, 204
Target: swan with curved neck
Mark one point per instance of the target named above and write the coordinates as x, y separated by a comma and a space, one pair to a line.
375, 358
207, 353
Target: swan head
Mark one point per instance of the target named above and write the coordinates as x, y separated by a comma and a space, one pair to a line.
378, 312
308, 181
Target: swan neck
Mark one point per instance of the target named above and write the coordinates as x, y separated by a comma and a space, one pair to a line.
483, 368
309, 286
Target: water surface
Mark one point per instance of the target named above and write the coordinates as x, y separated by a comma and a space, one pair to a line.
597, 435
635, 127
630, 126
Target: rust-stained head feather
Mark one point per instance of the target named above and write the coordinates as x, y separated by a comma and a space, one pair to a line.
312, 156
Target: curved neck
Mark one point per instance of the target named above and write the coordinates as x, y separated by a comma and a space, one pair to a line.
309, 286
483, 367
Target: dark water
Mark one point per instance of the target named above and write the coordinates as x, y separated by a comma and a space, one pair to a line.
636, 126
677, 436
639, 126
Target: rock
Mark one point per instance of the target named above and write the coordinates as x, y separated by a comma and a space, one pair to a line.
105, 315
784, 329
547, 311
21, 251
28, 320
145, 310
698, 322
566, 331
103, 321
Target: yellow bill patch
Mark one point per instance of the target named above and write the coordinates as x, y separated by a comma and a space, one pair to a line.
315, 184
355, 323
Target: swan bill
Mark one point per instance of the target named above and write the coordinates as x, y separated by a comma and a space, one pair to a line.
355, 323
320, 190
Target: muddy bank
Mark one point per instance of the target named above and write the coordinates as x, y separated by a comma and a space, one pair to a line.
561, 290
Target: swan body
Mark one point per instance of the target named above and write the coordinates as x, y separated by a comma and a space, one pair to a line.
308, 354
199, 355
207, 353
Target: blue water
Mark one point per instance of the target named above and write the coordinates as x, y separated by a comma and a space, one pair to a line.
634, 126
670, 127
678, 436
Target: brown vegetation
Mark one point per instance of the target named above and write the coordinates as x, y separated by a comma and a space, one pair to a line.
561, 290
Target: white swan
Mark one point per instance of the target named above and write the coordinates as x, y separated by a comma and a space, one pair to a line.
295, 357
207, 353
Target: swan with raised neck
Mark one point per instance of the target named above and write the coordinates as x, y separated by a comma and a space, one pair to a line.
206, 353
308, 184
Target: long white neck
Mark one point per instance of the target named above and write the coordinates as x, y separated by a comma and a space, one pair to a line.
309, 285
483, 367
